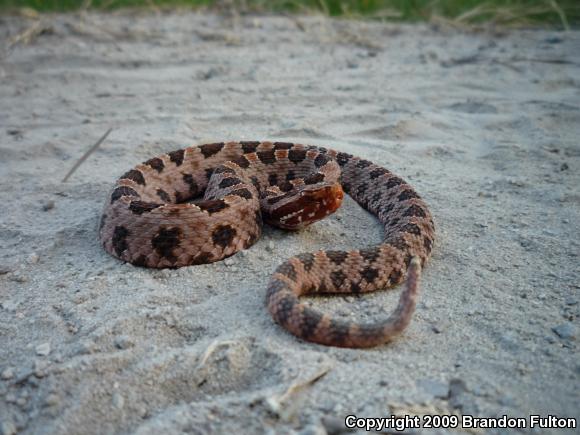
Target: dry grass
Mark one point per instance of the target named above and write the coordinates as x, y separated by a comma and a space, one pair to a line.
560, 13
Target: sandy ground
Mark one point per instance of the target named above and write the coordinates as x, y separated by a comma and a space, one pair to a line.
486, 126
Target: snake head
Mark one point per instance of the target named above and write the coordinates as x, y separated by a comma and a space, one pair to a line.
304, 207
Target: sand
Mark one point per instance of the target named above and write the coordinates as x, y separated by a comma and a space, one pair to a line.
485, 125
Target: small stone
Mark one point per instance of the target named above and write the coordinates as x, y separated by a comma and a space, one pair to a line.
48, 205
17, 277
4, 269
7, 428
437, 328
43, 349
124, 342
270, 246
571, 301
118, 401
40, 368
567, 331
52, 400
33, 258
21, 401
7, 373
228, 262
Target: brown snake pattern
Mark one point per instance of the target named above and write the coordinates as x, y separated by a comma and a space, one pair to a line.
150, 220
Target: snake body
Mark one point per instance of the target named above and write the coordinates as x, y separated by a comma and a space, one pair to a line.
150, 220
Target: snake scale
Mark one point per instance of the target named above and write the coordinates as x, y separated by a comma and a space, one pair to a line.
155, 217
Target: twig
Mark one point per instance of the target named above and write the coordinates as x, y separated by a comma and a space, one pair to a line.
86, 155
282, 406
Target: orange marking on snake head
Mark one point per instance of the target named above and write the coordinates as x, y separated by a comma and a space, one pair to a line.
308, 207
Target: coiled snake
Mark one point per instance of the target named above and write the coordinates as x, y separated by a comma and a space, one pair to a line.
149, 222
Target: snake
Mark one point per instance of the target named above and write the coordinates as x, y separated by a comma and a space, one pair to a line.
202, 204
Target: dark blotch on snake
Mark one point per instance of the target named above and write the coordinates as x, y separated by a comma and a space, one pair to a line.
165, 241
284, 309
177, 156
266, 157
156, 163
287, 269
407, 194
163, 195
120, 240
283, 145
243, 193
321, 160
393, 181
193, 188
307, 260
339, 331
223, 235
224, 170
140, 207
212, 205
210, 149
369, 273
337, 257
310, 322
122, 191
242, 162
229, 182
412, 229
415, 210
249, 146
370, 255
314, 178
343, 158
377, 172
337, 278
296, 156
363, 164
135, 176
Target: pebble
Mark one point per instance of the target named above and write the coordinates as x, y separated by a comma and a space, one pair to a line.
40, 368
228, 262
17, 277
43, 349
567, 331
124, 342
7, 373
4, 269
33, 258
437, 327
118, 401
270, 246
48, 205
52, 400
